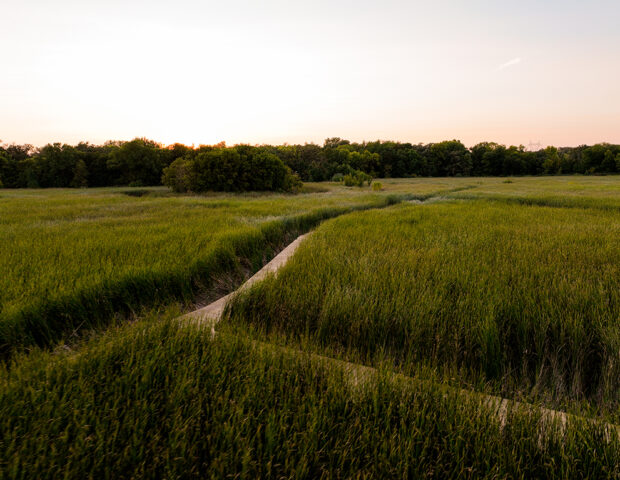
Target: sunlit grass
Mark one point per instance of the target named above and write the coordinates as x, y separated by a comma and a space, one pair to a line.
72, 259
522, 301
568, 191
493, 295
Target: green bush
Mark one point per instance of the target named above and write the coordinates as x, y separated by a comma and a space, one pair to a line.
350, 181
179, 175
356, 178
237, 169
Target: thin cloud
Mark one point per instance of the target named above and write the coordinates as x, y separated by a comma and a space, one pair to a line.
509, 63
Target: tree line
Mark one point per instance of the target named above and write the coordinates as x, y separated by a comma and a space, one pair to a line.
143, 162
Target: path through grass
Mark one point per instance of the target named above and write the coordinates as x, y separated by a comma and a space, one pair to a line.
157, 399
72, 260
520, 301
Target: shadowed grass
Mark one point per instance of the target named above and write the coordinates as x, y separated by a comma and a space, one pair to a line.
507, 298
159, 400
521, 301
74, 261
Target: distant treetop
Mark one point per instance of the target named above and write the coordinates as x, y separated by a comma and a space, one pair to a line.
280, 167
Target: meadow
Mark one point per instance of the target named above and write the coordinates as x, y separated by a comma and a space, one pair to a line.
452, 288
521, 301
558, 191
158, 399
74, 259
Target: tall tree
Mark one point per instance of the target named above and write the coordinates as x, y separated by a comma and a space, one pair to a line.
139, 162
80, 175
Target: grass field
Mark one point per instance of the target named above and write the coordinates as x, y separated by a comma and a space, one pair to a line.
502, 286
567, 191
74, 259
522, 300
161, 401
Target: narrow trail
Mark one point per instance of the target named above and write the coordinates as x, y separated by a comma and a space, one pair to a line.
359, 375
212, 313
551, 422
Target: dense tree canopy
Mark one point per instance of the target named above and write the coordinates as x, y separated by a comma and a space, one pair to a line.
235, 169
268, 167
139, 162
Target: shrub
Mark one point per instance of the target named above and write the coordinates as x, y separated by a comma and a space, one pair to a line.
350, 181
237, 169
292, 182
377, 186
179, 175
357, 178
136, 163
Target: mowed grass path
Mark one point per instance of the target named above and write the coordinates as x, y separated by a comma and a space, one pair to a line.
519, 300
72, 259
478, 293
164, 400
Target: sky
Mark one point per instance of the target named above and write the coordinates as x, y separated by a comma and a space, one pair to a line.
275, 71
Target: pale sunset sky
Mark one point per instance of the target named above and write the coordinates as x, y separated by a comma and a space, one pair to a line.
300, 71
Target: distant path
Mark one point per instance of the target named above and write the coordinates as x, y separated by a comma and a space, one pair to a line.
213, 312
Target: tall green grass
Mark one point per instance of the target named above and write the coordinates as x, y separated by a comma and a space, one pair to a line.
497, 295
73, 260
520, 301
573, 191
158, 400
